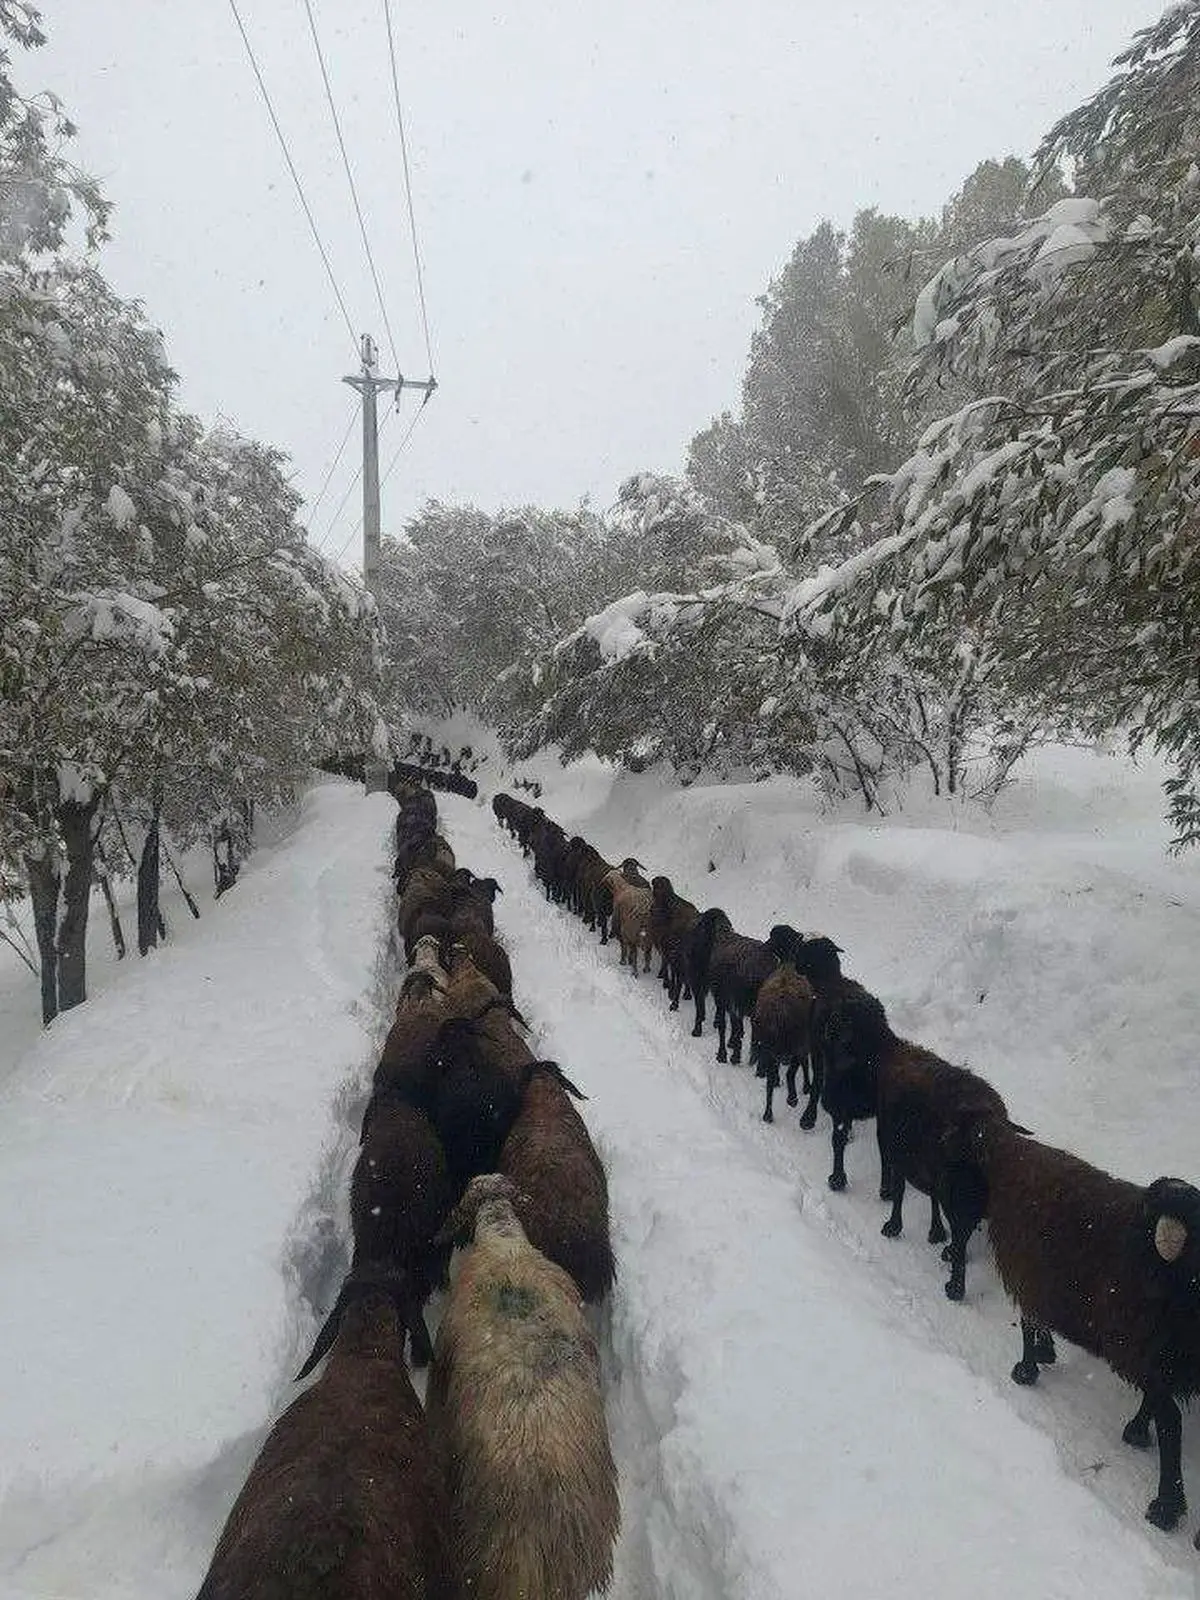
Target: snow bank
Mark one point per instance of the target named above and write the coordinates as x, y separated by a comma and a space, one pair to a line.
158, 1149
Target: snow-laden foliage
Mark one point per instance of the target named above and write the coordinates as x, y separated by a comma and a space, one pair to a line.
1055, 517
167, 637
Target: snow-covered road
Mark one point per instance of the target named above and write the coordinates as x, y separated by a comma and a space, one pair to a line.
795, 1407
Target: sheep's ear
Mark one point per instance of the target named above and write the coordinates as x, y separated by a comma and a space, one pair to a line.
1170, 1238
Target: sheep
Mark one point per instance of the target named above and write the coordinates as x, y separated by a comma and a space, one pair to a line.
346, 1498
562, 1192
604, 894
426, 957
595, 897
631, 921
732, 967
817, 959
406, 1062
400, 1196
671, 921
1111, 1266
514, 1395
488, 955
780, 1030
926, 1111
425, 890
477, 1084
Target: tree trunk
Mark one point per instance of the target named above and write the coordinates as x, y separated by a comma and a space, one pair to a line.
75, 820
43, 893
114, 920
148, 888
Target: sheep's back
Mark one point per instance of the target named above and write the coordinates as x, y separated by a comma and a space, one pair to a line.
783, 1010
1067, 1246
563, 1193
345, 1500
515, 1391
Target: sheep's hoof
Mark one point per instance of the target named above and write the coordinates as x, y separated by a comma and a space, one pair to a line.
768, 1115
697, 1030
937, 1234
837, 1181
721, 1056
735, 1059
1025, 1373
1137, 1433
674, 1006
793, 1098
891, 1228
1165, 1510
948, 1253
956, 1289
760, 1071
808, 1119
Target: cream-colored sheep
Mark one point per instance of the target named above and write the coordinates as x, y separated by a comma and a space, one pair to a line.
514, 1401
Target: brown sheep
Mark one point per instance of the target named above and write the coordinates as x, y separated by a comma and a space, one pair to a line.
400, 1195
631, 923
780, 1030
672, 919
926, 1111
1112, 1267
514, 1396
346, 1499
562, 1193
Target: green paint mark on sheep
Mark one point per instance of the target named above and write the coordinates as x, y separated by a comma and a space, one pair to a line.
513, 1300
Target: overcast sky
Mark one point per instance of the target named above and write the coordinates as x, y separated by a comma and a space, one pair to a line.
602, 189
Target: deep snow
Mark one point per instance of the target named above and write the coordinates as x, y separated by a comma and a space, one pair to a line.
794, 1405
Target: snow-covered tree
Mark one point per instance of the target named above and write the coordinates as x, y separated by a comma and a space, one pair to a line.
1055, 515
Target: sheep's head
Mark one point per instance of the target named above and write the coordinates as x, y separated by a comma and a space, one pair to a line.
784, 942
488, 1201
818, 958
1171, 1219
488, 888
425, 951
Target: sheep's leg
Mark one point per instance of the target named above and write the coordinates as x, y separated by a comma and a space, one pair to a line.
1026, 1370
770, 1069
602, 918
1137, 1429
937, 1228
886, 1161
698, 1029
892, 1227
956, 1254
841, 1131
792, 1097
647, 953
808, 1117
1169, 1504
719, 1019
736, 1026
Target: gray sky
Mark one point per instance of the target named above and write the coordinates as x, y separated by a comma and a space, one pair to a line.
602, 189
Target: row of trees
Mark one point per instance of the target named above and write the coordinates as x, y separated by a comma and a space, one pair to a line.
955, 514
171, 650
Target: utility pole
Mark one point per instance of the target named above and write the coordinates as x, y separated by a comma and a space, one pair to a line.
369, 385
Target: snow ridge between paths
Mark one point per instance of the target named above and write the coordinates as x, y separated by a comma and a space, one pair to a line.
779, 1412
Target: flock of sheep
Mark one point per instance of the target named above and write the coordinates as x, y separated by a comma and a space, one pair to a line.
502, 1487
1110, 1265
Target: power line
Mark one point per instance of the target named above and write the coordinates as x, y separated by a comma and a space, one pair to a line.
362, 227
287, 156
412, 221
388, 470
353, 484
315, 507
